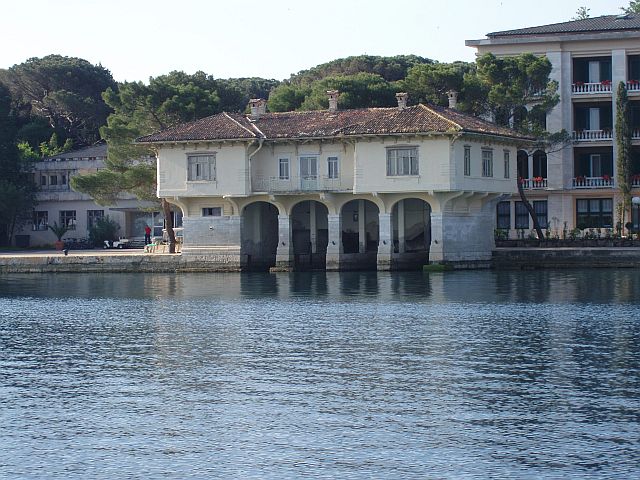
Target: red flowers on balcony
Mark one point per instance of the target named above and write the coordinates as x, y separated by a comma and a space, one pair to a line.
606, 178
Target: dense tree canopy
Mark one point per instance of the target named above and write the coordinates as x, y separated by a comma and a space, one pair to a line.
17, 190
65, 91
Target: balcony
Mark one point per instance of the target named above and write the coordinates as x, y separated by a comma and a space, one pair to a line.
633, 86
635, 134
593, 182
593, 135
534, 183
582, 88
635, 180
307, 183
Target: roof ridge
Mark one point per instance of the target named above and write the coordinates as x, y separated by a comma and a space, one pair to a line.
441, 116
238, 123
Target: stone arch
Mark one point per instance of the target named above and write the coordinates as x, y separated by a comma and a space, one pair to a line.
309, 234
376, 200
411, 225
360, 226
259, 235
522, 162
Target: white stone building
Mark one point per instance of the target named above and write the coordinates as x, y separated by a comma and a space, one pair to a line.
589, 58
337, 189
58, 203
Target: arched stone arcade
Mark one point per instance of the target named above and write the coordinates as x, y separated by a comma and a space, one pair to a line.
259, 236
411, 233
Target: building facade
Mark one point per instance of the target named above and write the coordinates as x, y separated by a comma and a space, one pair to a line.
337, 189
575, 186
58, 203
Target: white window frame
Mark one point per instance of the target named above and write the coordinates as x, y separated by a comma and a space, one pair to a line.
403, 161
284, 164
68, 218
333, 167
487, 163
93, 216
467, 160
201, 167
507, 156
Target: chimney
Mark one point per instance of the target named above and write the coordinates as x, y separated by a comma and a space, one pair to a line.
453, 99
402, 100
333, 100
258, 107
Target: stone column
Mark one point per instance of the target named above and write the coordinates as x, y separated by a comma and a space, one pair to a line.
385, 245
362, 234
313, 229
436, 250
401, 232
284, 254
334, 247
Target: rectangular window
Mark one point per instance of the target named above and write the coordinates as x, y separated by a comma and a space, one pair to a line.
212, 212
506, 164
68, 218
93, 216
402, 161
43, 180
283, 169
503, 211
332, 167
594, 213
63, 180
540, 207
202, 167
522, 216
467, 161
53, 180
40, 220
487, 163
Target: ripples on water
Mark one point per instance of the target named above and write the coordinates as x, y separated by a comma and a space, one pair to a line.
352, 375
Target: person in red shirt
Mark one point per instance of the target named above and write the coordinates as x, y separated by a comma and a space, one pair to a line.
147, 235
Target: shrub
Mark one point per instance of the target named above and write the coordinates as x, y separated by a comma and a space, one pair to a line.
104, 229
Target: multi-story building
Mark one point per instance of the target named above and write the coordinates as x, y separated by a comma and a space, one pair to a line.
337, 189
59, 203
575, 185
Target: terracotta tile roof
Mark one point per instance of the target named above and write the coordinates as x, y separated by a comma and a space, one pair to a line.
326, 124
604, 23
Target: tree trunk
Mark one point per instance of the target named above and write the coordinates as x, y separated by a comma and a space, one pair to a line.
532, 212
168, 222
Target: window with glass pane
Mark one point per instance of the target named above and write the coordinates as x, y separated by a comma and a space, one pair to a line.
522, 216
93, 216
40, 220
68, 218
402, 161
594, 213
467, 161
332, 167
504, 215
487, 163
53, 180
283, 169
540, 207
212, 212
506, 164
202, 167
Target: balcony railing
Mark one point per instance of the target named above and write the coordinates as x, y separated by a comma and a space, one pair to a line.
592, 135
581, 88
593, 182
635, 181
633, 86
309, 183
635, 134
533, 183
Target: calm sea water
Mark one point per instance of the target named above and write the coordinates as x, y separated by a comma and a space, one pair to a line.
351, 375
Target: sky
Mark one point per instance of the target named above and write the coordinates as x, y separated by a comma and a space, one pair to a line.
138, 39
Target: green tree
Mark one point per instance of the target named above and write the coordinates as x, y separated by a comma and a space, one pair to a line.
581, 14
64, 90
633, 7
430, 83
623, 142
141, 109
17, 190
361, 90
